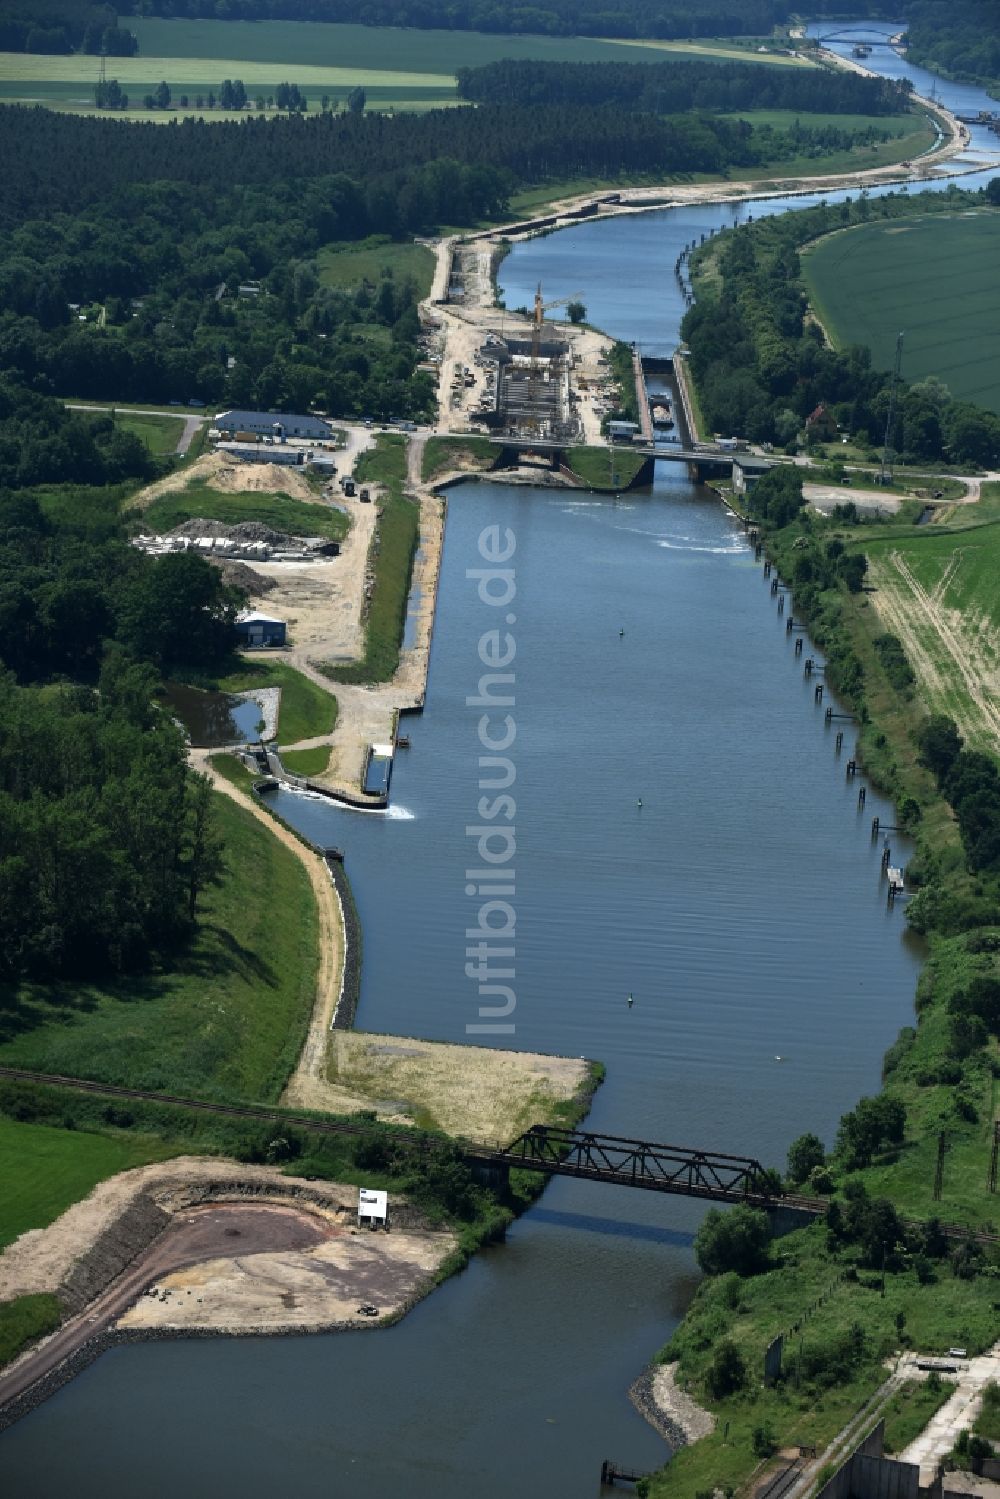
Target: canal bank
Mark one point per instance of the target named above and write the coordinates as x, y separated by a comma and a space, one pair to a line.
739, 906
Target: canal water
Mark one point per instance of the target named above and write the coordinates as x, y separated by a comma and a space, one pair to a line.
740, 905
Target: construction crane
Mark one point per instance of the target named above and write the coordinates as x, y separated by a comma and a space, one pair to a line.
535, 370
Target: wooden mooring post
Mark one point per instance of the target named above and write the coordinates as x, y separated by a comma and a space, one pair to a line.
781, 603
818, 693
862, 796
798, 646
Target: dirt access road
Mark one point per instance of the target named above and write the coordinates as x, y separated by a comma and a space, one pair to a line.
198, 1234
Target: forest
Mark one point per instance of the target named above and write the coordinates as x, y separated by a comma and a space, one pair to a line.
165, 264
59, 26
670, 87
105, 839
961, 39
761, 364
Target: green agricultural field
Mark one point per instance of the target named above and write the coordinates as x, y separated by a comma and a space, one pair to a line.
398, 68
347, 266
197, 500
375, 48
45, 1170
935, 588
226, 1019
934, 278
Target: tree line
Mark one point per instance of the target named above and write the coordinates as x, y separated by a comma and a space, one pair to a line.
105, 839
60, 26
673, 87
762, 367
66, 161
628, 18
962, 39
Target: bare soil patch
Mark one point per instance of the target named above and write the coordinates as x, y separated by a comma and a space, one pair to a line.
471, 1091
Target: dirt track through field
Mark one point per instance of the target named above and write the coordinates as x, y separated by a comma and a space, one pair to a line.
913, 614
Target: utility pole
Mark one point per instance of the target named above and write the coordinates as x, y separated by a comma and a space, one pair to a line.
886, 471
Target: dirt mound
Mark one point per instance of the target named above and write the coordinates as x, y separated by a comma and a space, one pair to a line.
244, 530
266, 478
238, 575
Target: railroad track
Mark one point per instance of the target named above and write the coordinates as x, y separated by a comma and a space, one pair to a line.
143, 1095
414, 1140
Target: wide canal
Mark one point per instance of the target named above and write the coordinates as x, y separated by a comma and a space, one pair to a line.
740, 904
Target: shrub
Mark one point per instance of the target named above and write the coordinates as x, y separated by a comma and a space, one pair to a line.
735, 1240
727, 1372
762, 1441
804, 1155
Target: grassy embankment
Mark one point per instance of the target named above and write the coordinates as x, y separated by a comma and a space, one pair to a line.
279, 511
827, 1296
25, 1320
305, 711
225, 1020
396, 545
610, 468
935, 276
44, 1170
444, 454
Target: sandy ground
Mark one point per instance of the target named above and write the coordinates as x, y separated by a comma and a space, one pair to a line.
41, 1259
224, 1262
319, 1284
945, 647
321, 601
825, 497
478, 1093
228, 475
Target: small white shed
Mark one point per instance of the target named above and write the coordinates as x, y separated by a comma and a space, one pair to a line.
373, 1208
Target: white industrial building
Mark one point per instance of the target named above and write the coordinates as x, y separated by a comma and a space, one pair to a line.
277, 424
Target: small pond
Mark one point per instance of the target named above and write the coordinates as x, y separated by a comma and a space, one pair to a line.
213, 719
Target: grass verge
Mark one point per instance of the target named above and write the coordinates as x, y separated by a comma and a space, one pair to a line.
396, 546
161, 434
307, 762
226, 1019
24, 1320
608, 468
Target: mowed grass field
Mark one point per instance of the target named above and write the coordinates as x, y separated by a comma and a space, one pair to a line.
934, 278
225, 1021
398, 68
935, 588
